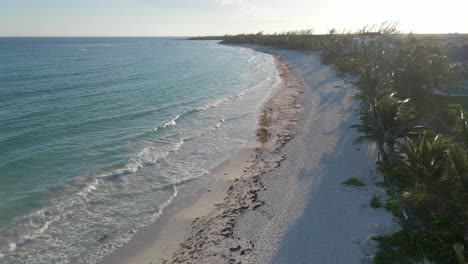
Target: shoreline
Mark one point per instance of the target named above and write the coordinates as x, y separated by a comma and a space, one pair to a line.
287, 204
159, 241
212, 239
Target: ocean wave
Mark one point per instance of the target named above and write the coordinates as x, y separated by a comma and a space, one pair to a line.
36, 224
148, 156
105, 211
213, 104
252, 58
89, 188
123, 239
32, 227
218, 125
172, 122
223, 100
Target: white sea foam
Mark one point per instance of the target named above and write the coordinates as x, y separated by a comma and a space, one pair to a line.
215, 103
169, 123
220, 101
118, 242
115, 208
148, 156
44, 219
218, 125
12, 247
252, 58
89, 188
39, 222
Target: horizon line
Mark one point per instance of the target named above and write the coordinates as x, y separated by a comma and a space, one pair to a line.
84, 36
189, 36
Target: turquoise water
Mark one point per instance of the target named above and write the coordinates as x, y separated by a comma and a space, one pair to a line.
97, 134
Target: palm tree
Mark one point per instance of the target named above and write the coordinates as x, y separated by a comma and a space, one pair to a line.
427, 158
371, 82
383, 122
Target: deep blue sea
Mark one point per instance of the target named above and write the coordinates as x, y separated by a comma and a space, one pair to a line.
97, 135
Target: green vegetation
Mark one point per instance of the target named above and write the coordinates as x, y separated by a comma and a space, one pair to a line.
353, 181
422, 138
411, 246
375, 203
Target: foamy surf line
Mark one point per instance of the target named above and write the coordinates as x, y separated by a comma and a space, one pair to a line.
213, 104
35, 225
40, 221
43, 223
202, 241
166, 242
111, 246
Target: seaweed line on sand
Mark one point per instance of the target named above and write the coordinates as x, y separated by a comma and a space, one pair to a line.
212, 238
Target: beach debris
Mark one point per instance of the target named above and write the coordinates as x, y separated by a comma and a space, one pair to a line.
213, 237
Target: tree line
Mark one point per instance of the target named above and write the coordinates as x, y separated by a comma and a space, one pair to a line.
421, 137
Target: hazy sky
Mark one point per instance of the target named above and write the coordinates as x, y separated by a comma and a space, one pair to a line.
213, 17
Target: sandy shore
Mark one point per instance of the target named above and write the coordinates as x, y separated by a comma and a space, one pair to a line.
158, 242
280, 201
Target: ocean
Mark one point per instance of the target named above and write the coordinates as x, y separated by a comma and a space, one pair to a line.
97, 135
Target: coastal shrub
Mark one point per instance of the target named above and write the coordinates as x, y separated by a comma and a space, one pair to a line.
446, 223
425, 176
353, 181
394, 206
375, 203
396, 176
413, 246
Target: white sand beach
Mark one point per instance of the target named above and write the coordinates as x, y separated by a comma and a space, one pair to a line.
282, 201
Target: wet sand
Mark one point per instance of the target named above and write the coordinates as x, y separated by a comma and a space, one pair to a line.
280, 199
158, 242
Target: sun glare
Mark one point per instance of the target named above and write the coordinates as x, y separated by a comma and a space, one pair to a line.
418, 16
